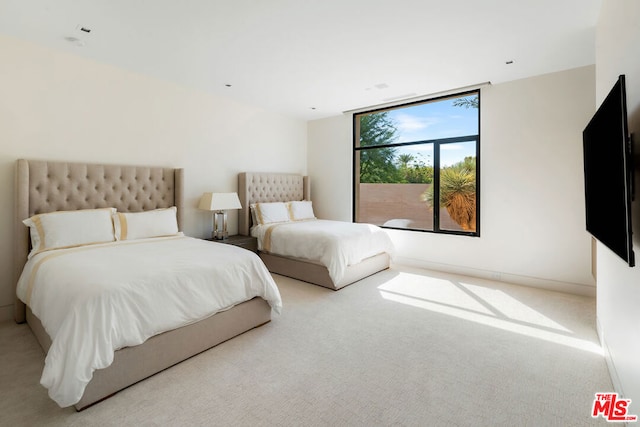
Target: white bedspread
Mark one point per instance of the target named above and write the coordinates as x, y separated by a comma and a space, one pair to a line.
335, 244
96, 299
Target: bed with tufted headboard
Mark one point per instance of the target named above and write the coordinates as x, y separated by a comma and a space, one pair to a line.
45, 186
254, 188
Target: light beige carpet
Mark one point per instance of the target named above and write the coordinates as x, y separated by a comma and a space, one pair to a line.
403, 347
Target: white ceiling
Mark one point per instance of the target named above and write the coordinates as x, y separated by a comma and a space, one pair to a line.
331, 55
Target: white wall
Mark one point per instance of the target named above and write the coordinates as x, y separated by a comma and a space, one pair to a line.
618, 298
329, 164
57, 106
532, 194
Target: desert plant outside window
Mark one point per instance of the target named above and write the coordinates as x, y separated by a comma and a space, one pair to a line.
416, 165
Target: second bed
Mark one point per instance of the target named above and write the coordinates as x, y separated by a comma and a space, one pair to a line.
293, 243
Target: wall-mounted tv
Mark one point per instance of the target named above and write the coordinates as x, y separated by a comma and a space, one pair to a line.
608, 174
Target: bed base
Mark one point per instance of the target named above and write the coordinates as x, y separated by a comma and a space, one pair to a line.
133, 364
318, 274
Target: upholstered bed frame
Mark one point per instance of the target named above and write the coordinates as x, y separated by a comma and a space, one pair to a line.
285, 187
44, 186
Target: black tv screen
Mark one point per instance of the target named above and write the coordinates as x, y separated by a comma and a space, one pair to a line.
608, 174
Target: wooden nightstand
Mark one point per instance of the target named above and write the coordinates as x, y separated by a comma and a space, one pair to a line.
247, 242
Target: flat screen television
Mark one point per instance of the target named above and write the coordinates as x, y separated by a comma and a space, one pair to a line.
608, 174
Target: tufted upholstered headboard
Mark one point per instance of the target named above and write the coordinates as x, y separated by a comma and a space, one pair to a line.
267, 187
44, 186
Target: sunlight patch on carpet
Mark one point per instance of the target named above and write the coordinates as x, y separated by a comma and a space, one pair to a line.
482, 305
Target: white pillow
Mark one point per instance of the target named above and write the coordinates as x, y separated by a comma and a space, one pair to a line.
267, 213
140, 225
65, 229
301, 210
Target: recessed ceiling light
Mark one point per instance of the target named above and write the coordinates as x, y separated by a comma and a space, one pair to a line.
312, 108
83, 28
509, 62
227, 85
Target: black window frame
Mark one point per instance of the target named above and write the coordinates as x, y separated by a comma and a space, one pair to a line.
436, 161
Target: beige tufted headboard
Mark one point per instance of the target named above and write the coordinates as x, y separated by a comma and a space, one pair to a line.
268, 187
43, 186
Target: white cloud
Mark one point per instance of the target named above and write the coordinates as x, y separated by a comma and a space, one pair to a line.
407, 123
412, 128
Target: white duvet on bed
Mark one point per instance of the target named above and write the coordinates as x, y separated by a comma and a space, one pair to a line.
95, 299
335, 244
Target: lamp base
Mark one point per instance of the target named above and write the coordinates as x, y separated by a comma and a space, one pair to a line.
220, 226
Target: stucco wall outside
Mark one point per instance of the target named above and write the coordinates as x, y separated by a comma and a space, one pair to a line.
399, 205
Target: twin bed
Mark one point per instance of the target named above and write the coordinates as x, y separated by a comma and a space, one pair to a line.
148, 297
332, 254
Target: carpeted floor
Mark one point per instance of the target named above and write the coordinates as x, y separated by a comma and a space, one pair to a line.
403, 347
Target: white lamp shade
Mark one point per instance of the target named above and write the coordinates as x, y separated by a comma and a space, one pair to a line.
219, 201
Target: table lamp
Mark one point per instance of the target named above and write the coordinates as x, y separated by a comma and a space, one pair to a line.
219, 203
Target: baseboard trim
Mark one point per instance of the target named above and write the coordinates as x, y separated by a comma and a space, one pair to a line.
613, 374
534, 282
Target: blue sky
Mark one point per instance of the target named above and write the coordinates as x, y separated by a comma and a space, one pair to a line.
436, 120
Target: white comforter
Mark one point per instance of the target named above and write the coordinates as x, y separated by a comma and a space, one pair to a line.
335, 244
96, 299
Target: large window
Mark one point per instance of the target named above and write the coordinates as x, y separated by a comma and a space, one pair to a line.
416, 166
